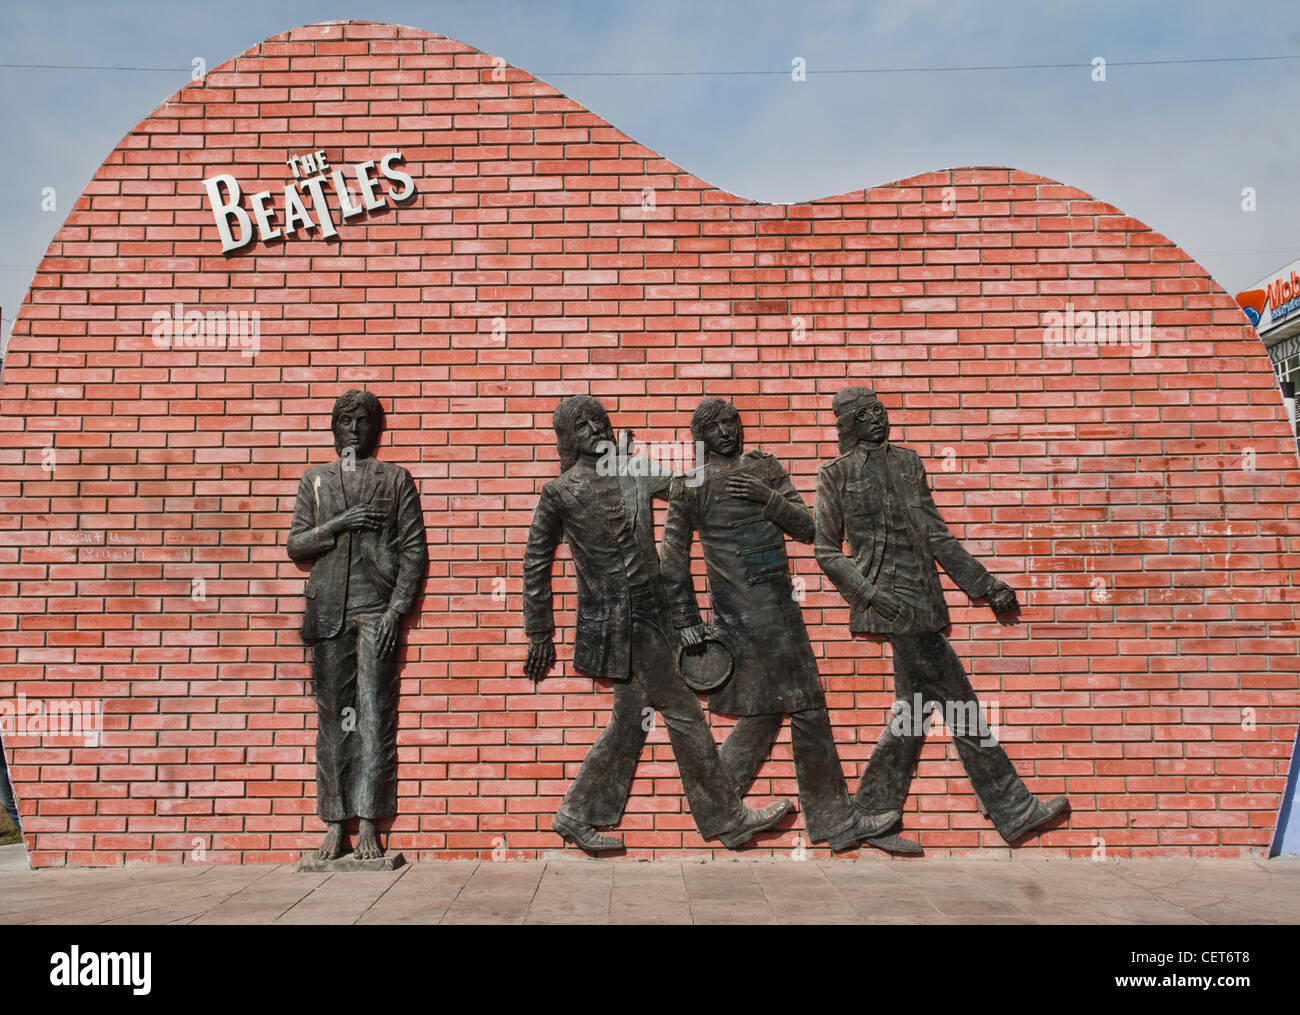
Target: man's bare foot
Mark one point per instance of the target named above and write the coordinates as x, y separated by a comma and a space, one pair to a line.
335, 844
367, 842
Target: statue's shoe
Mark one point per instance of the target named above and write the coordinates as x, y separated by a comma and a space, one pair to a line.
756, 820
895, 843
585, 836
870, 825
1043, 812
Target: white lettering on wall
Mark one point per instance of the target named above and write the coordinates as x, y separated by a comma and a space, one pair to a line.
304, 206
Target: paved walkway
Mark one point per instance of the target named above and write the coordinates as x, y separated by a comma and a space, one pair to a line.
715, 891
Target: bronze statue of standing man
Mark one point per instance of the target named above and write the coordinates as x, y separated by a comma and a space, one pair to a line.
743, 505
877, 495
359, 522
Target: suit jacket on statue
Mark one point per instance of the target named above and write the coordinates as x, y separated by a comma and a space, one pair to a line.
851, 501
396, 554
569, 509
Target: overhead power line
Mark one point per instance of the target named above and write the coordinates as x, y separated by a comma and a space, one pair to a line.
80, 66
754, 73
912, 70
1251, 250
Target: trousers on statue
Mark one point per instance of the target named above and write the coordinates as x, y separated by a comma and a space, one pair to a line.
356, 715
926, 665
823, 794
599, 792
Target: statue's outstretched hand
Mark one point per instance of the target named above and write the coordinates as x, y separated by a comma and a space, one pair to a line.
1002, 598
541, 657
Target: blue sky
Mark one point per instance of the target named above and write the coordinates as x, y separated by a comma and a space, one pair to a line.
1172, 145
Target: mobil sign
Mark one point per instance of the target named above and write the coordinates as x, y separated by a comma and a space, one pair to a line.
1274, 300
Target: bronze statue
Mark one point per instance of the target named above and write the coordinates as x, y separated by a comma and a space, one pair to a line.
744, 505
878, 495
359, 521
602, 504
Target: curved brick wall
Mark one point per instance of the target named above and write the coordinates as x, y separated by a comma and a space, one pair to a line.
1112, 490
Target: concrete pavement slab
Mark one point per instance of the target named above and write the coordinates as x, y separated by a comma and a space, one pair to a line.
772, 889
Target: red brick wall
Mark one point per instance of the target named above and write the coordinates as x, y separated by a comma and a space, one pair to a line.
1068, 471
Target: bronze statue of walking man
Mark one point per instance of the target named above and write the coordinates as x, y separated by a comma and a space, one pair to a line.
359, 521
878, 496
602, 504
743, 505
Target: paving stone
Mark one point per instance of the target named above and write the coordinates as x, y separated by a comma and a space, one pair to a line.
803, 894
265, 899
497, 893
427, 890
573, 893
651, 893
343, 897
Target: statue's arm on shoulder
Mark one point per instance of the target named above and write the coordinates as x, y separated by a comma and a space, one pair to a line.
675, 556
659, 480
307, 540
